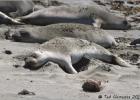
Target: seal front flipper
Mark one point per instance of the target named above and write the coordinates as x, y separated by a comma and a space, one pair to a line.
119, 61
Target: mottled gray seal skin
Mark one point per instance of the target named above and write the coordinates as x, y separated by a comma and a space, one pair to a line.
68, 51
76, 14
15, 8
4, 19
135, 42
45, 33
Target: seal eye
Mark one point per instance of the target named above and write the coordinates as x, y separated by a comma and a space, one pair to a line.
125, 22
34, 55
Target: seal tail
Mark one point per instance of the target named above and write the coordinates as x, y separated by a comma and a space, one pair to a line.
119, 61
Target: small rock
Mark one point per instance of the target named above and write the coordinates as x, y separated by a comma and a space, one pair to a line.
7, 79
26, 92
100, 96
134, 58
31, 81
8, 52
91, 86
16, 66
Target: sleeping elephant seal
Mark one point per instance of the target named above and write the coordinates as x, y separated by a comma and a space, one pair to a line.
15, 8
68, 51
45, 33
92, 15
4, 19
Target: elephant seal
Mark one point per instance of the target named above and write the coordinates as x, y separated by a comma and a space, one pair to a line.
4, 19
92, 15
45, 33
16, 8
135, 42
68, 51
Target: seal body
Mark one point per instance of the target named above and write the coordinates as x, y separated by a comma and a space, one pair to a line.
45, 33
76, 14
4, 19
57, 14
16, 8
68, 51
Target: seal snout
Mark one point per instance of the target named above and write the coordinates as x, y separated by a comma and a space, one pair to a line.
16, 37
128, 25
30, 63
20, 35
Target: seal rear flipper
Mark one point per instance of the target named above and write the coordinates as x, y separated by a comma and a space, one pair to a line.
108, 58
14, 21
19, 20
119, 61
8, 20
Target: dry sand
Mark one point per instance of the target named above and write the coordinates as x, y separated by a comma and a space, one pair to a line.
51, 83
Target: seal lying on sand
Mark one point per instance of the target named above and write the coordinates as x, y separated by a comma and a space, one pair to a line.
16, 8
45, 33
76, 14
4, 19
135, 42
68, 51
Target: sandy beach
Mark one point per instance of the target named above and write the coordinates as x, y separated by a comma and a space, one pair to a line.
50, 82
